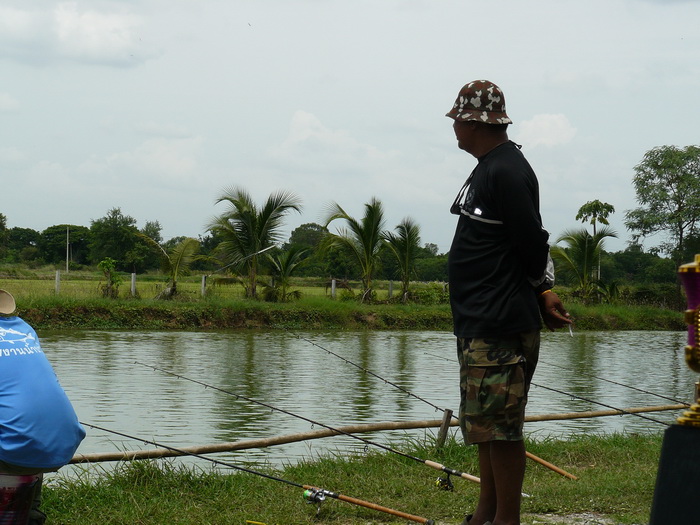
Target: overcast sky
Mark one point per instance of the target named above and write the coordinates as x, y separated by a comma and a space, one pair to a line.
158, 106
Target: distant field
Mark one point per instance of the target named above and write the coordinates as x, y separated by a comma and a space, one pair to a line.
83, 285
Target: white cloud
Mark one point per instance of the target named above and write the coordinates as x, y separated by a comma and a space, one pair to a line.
162, 130
68, 31
546, 130
93, 35
311, 145
170, 162
8, 102
12, 155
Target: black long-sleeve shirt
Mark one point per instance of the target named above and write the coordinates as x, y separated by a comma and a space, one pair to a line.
499, 248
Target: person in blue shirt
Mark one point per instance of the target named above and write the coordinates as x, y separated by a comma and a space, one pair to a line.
39, 430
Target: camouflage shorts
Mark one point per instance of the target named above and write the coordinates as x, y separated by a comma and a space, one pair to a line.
495, 375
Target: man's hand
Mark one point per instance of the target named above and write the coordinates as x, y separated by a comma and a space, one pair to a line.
553, 312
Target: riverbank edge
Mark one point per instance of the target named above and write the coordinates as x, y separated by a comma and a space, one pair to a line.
616, 478
317, 314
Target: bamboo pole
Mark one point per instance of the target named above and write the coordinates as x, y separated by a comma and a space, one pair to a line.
373, 506
550, 466
255, 443
323, 433
601, 413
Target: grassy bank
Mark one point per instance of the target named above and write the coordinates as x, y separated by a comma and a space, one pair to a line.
616, 481
46, 312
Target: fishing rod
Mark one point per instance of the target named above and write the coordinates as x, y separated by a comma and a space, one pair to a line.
312, 494
443, 483
242, 259
399, 387
661, 396
621, 410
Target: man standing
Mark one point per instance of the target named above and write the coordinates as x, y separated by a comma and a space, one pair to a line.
500, 278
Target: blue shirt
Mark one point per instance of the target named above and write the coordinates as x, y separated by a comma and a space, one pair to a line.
38, 426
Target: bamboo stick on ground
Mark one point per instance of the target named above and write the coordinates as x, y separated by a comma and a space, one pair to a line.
350, 429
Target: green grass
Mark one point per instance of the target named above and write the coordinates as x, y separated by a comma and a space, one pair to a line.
616, 479
79, 305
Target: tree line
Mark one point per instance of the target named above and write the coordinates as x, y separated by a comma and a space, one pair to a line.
245, 241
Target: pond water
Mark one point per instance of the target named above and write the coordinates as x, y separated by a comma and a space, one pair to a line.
101, 373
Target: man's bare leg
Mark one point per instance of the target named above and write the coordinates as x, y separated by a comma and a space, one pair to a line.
486, 508
508, 467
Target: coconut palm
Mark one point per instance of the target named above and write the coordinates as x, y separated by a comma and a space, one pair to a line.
404, 244
175, 262
247, 230
596, 212
282, 268
579, 258
364, 239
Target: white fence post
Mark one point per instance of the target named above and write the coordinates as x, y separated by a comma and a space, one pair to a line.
133, 285
58, 281
204, 285
333, 289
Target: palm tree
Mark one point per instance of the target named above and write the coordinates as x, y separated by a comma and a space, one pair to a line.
247, 230
364, 239
282, 268
596, 212
405, 244
580, 256
176, 262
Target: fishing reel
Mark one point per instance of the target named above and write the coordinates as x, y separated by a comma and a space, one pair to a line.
444, 483
316, 496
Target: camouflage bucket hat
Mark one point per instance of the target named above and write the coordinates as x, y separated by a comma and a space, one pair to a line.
482, 101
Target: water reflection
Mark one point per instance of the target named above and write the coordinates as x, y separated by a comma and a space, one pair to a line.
99, 371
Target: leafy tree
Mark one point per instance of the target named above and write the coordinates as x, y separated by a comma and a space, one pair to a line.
19, 238
52, 244
22, 244
113, 236
430, 249
172, 242
152, 229
3, 234
307, 235
140, 257
432, 268
635, 266
405, 244
667, 184
338, 262
692, 246
364, 239
579, 258
246, 230
596, 212
110, 289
